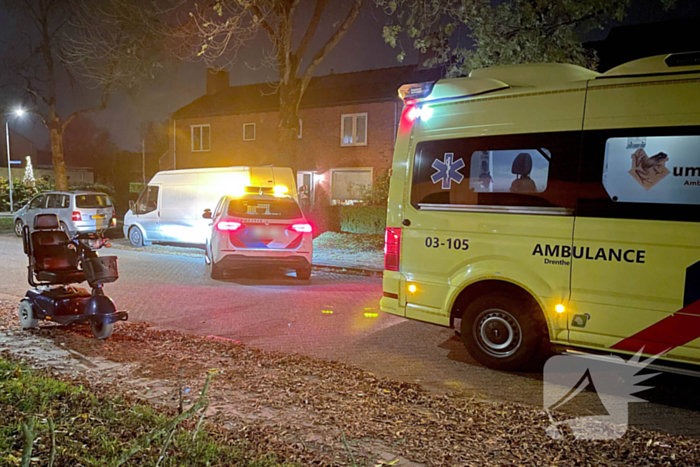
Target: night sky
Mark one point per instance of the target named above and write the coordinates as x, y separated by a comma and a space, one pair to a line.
361, 49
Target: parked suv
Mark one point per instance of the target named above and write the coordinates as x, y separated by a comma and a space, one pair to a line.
77, 211
258, 230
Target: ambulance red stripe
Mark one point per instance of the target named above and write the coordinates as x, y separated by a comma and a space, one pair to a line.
678, 329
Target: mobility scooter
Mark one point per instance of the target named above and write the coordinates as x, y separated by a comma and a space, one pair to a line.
57, 261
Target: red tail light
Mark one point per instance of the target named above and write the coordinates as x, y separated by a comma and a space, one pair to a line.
226, 226
76, 216
113, 222
301, 228
392, 248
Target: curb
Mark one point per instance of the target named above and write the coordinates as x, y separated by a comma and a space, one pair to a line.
348, 270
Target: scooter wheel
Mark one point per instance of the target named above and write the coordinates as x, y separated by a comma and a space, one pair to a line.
102, 330
26, 315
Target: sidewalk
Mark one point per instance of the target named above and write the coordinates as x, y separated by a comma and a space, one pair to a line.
353, 252
349, 251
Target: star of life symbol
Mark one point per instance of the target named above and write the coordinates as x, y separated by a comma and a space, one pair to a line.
602, 385
447, 170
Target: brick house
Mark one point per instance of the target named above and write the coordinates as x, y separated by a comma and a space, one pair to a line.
348, 127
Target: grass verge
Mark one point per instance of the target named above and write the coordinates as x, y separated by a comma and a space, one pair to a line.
5, 223
75, 427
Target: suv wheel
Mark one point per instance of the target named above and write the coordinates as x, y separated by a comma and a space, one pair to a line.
64, 227
500, 332
18, 227
136, 237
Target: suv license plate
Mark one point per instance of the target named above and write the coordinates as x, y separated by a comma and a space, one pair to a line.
98, 216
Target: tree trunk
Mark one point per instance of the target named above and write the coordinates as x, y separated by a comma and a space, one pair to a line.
59, 163
288, 130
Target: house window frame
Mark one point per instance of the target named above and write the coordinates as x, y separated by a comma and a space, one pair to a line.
335, 201
354, 129
255, 131
201, 140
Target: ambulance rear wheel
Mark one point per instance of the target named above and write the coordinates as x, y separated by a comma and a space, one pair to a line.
501, 332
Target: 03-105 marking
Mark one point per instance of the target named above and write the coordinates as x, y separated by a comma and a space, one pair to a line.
450, 243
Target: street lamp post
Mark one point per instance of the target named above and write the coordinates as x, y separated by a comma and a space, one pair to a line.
19, 112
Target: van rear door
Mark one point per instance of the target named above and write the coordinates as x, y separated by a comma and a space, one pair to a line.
491, 198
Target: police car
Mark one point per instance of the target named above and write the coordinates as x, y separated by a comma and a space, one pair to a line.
259, 228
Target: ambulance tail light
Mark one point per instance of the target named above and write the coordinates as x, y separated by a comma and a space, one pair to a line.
392, 248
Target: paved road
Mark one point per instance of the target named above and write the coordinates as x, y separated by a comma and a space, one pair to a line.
278, 312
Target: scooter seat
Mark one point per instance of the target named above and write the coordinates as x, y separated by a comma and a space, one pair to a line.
67, 276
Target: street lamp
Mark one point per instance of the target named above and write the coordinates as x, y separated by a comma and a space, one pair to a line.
19, 112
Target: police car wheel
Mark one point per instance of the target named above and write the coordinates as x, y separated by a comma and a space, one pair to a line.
215, 270
304, 273
501, 332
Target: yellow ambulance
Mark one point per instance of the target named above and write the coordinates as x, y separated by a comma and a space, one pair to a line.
548, 201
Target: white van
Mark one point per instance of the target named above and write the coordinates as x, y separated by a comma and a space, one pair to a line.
169, 210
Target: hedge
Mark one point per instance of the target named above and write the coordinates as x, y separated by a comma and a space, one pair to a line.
363, 219
22, 194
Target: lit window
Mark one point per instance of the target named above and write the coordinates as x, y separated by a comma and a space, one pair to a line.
353, 129
201, 138
249, 132
350, 185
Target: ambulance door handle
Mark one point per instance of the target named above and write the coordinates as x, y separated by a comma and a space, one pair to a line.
406, 222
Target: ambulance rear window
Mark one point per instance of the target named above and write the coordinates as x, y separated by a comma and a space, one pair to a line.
247, 208
536, 170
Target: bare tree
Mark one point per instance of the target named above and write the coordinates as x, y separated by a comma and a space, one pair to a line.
55, 50
215, 31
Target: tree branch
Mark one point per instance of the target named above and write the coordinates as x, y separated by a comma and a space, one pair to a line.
311, 29
332, 42
102, 106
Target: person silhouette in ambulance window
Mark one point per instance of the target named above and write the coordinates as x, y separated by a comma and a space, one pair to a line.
522, 166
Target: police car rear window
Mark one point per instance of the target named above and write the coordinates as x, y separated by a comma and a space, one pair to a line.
264, 209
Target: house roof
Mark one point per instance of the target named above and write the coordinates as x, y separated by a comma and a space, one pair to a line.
332, 90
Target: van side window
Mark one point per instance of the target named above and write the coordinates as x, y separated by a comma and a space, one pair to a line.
537, 170
148, 201
654, 169
641, 173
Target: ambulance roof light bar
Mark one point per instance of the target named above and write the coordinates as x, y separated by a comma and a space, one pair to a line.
416, 90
